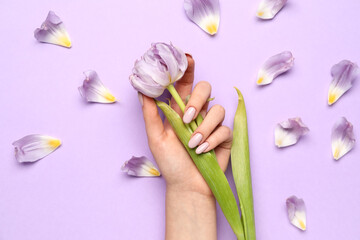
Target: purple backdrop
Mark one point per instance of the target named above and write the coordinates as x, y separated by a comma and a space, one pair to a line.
79, 191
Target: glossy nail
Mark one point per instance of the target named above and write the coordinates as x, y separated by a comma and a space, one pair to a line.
189, 115
195, 140
141, 100
202, 148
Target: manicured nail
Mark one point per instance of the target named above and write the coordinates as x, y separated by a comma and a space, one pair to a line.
141, 98
189, 115
195, 140
202, 148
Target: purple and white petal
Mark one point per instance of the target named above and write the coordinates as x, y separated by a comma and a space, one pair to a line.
269, 8
275, 66
93, 89
160, 66
204, 13
342, 138
53, 31
296, 212
34, 147
288, 133
344, 74
140, 167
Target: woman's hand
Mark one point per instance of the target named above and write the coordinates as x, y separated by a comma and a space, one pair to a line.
190, 205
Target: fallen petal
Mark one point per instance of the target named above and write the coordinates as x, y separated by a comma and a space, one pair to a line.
296, 212
275, 66
269, 8
342, 138
34, 147
344, 74
287, 133
140, 167
204, 13
53, 31
93, 89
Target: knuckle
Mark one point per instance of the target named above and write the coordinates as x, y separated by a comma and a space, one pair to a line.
228, 131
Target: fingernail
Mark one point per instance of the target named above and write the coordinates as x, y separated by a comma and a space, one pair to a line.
195, 140
202, 148
189, 55
189, 115
140, 96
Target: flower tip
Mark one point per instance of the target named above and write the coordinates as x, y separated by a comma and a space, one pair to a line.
212, 28
332, 99
260, 81
154, 172
110, 97
54, 143
302, 225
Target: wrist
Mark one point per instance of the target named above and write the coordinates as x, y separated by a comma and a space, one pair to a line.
189, 215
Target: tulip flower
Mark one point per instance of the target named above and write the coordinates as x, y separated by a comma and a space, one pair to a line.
140, 167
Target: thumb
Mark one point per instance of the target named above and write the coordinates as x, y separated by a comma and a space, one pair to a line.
153, 123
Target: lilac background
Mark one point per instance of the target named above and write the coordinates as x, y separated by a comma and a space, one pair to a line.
79, 191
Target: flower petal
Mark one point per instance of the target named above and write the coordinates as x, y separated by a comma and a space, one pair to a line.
204, 13
296, 212
269, 8
53, 31
342, 138
93, 89
287, 133
140, 167
34, 147
344, 74
275, 66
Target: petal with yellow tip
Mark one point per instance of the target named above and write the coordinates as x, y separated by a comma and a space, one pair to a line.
275, 66
344, 74
140, 167
296, 212
288, 132
269, 8
32, 148
204, 13
93, 90
53, 31
342, 138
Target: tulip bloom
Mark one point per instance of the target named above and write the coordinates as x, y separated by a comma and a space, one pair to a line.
161, 66
287, 133
140, 167
296, 212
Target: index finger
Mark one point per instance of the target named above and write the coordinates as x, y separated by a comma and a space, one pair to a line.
185, 84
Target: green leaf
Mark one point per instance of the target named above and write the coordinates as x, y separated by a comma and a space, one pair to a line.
210, 170
240, 162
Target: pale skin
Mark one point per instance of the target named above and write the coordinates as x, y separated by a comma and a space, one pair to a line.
190, 205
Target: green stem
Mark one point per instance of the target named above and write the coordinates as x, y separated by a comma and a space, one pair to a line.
180, 102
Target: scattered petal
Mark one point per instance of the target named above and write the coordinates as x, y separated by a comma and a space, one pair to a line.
344, 74
296, 212
342, 138
160, 66
140, 167
204, 13
53, 31
275, 66
34, 147
93, 89
269, 8
287, 133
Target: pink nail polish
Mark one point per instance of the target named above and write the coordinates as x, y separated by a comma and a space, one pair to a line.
195, 140
202, 148
140, 96
189, 115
